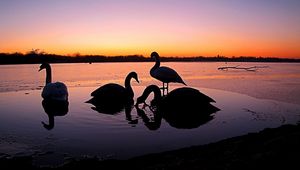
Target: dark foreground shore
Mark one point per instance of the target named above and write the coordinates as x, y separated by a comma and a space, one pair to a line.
277, 148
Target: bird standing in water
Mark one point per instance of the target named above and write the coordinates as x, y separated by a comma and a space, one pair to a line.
164, 74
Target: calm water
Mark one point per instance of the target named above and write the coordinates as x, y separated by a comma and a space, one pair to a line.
249, 102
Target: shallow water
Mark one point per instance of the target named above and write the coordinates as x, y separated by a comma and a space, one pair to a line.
85, 132
279, 81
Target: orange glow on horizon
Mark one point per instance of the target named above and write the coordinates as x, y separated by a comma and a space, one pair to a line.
181, 28
166, 53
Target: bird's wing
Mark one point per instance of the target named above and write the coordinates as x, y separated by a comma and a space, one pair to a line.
108, 89
56, 91
166, 74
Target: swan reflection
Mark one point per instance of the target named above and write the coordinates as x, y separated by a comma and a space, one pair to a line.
114, 109
151, 123
54, 108
185, 118
107, 108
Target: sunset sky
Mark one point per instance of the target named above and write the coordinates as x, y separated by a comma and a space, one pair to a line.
170, 27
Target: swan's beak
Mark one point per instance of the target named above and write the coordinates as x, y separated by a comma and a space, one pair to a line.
40, 69
136, 79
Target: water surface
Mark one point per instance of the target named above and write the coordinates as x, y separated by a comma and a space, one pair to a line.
84, 131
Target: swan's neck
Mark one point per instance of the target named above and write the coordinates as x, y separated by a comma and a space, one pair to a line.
157, 94
48, 75
157, 63
128, 87
155, 90
51, 123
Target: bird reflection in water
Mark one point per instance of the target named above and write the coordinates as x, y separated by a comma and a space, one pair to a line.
185, 118
182, 108
114, 109
151, 123
54, 108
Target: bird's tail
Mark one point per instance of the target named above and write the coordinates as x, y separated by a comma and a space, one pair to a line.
89, 101
181, 81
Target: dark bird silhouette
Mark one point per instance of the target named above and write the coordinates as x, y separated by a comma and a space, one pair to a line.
53, 91
54, 108
112, 98
164, 74
182, 107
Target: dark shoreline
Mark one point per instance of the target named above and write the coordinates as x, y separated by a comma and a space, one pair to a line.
276, 148
37, 58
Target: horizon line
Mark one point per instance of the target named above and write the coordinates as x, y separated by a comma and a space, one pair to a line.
78, 54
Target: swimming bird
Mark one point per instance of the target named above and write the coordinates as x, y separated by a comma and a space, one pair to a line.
164, 74
179, 100
114, 95
183, 108
53, 91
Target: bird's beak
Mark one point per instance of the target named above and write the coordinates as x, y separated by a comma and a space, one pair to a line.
137, 80
40, 69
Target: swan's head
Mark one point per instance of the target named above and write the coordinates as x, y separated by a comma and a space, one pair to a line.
43, 66
140, 100
154, 55
134, 75
152, 88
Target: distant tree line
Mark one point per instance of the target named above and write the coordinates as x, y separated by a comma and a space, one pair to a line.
37, 56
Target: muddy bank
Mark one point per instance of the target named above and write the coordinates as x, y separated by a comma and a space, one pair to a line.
270, 148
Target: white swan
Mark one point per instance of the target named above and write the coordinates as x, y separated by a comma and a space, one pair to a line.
53, 91
164, 74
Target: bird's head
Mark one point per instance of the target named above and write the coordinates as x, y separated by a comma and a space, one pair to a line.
151, 88
43, 66
140, 100
154, 55
134, 75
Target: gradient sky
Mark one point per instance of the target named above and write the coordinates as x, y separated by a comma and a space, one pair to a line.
170, 27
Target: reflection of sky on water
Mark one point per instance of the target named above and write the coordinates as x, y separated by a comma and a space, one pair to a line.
279, 81
84, 131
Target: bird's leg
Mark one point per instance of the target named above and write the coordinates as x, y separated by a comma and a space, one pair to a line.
167, 88
163, 88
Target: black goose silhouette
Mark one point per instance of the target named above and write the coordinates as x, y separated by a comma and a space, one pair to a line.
54, 108
164, 74
181, 108
112, 98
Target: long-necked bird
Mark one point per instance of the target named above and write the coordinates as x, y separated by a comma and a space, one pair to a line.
164, 74
53, 91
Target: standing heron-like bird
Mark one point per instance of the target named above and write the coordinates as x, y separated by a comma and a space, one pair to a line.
164, 74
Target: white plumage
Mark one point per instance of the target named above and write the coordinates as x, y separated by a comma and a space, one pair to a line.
53, 91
